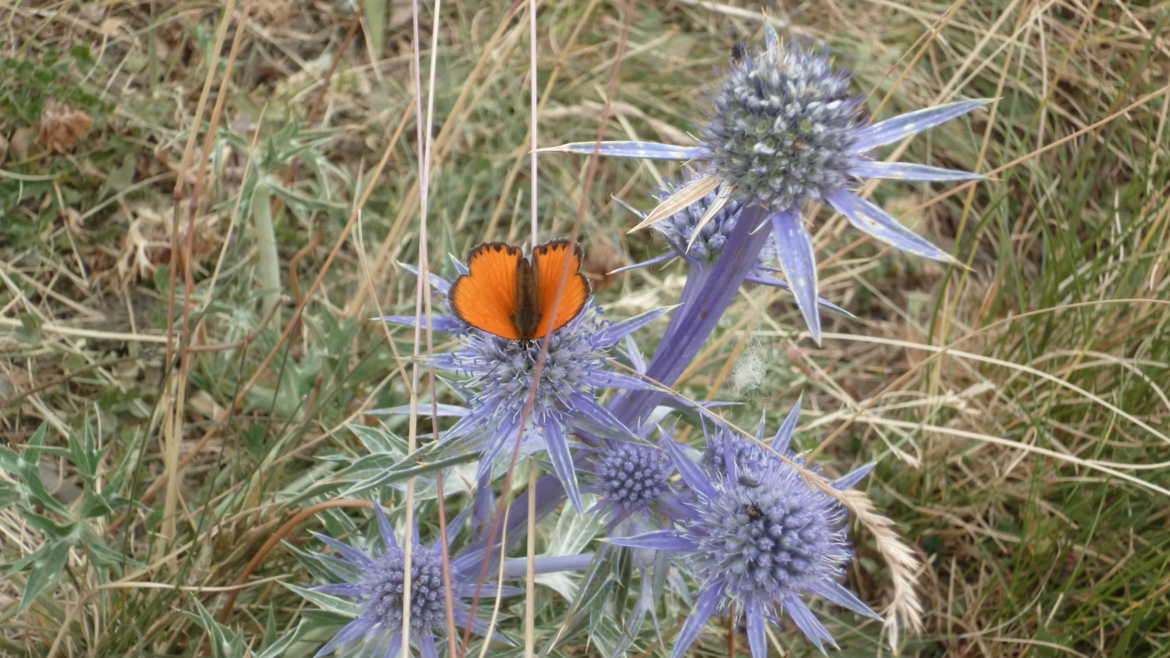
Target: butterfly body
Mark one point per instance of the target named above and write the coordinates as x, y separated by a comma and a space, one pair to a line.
526, 316
517, 297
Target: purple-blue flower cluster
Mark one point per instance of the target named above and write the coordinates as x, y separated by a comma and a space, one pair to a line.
754, 527
500, 374
632, 482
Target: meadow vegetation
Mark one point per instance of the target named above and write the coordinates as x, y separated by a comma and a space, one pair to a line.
203, 204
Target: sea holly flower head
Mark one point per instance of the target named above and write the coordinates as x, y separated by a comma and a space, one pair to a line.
785, 130
632, 481
498, 376
783, 127
501, 374
759, 540
374, 578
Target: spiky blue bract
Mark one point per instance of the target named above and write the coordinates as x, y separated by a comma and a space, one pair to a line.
374, 578
911, 123
785, 129
759, 540
632, 149
450, 324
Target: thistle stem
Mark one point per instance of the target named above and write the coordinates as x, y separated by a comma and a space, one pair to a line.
708, 292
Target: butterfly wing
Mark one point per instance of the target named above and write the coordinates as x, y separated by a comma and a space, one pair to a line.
485, 297
550, 261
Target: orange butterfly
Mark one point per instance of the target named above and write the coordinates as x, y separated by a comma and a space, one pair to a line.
511, 296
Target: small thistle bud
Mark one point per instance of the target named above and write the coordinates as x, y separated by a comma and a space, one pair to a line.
679, 229
633, 475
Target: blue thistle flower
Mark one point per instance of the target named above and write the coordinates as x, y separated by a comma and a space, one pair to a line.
785, 131
632, 481
375, 579
499, 376
760, 540
783, 127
